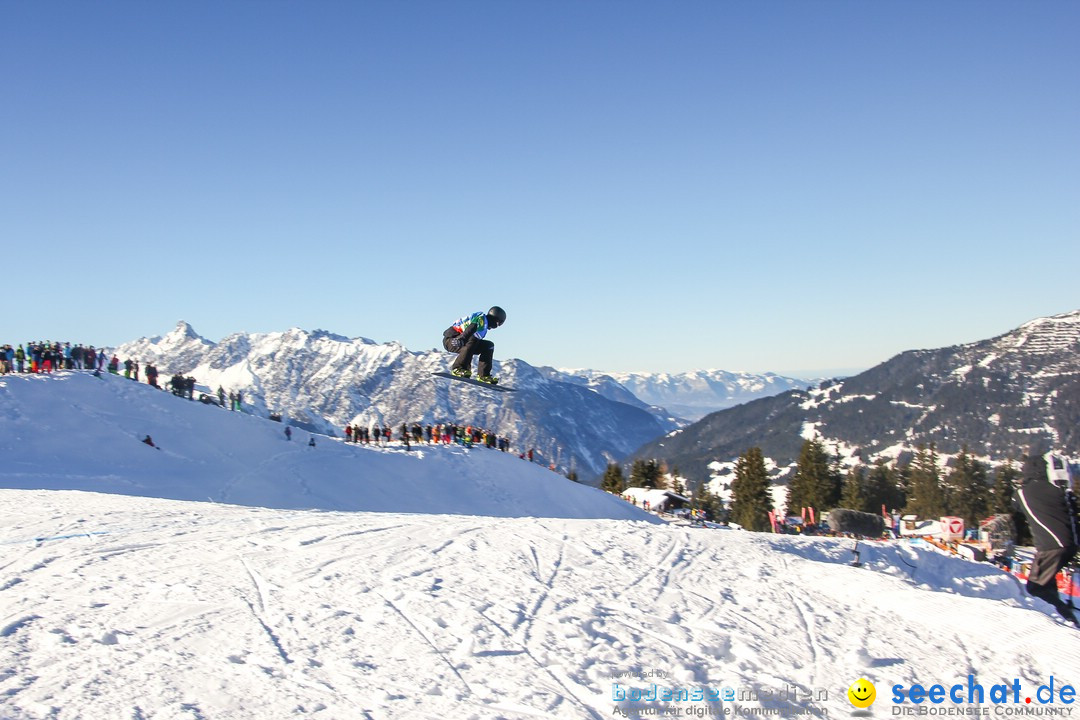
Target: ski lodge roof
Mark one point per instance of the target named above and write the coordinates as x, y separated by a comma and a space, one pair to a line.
655, 497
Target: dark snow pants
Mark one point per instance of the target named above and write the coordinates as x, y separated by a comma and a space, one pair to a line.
465, 352
1042, 580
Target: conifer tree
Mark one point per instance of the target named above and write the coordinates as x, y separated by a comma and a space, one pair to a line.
658, 473
853, 497
815, 482
903, 482
1006, 481
882, 489
704, 499
968, 495
752, 499
676, 484
613, 481
925, 498
646, 474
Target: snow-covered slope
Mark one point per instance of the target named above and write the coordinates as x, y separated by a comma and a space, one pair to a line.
322, 381
120, 607
72, 431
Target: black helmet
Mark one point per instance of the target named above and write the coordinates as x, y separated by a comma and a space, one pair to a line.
496, 316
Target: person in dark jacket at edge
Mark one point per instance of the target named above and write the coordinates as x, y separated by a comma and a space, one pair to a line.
1051, 513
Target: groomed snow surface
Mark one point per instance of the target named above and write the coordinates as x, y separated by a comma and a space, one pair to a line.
482, 593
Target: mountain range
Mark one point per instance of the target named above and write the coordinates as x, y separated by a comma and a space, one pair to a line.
689, 395
997, 397
577, 421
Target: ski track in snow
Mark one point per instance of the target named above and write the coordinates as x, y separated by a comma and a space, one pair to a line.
186, 610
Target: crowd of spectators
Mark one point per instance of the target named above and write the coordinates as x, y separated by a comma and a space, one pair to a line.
38, 357
432, 434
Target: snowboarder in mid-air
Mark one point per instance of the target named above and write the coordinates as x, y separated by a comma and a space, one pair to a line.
466, 338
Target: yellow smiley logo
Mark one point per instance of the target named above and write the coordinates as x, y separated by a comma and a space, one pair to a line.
862, 693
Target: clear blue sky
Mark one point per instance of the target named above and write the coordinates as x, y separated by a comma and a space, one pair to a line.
786, 186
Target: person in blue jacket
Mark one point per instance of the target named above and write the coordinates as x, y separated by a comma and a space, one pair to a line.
466, 338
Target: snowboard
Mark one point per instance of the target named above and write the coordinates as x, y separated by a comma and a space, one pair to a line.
500, 388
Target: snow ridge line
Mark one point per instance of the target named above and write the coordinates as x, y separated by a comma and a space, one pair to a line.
12, 627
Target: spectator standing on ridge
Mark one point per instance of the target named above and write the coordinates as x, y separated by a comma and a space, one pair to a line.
1052, 518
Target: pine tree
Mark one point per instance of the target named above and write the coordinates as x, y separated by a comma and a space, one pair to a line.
1006, 481
676, 484
968, 495
882, 489
752, 499
903, 483
925, 498
815, 483
853, 497
646, 474
613, 481
703, 499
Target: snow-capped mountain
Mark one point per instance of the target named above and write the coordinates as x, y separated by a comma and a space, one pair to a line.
689, 395
322, 381
997, 397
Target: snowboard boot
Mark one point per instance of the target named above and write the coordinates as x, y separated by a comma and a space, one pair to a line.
489, 379
461, 372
